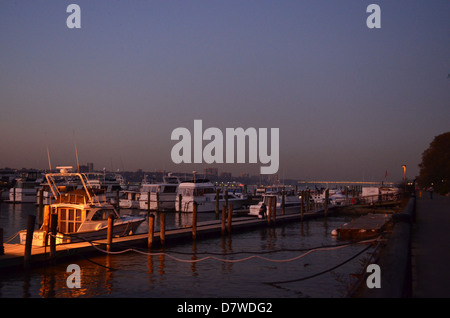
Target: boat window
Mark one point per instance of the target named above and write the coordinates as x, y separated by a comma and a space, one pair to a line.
69, 220
170, 189
102, 215
199, 192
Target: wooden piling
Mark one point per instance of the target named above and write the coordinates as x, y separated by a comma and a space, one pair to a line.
118, 200
109, 234
53, 227
274, 209
224, 217
194, 221
180, 198
302, 201
41, 206
29, 241
217, 200
151, 229
283, 201
148, 202
2, 249
157, 201
326, 202
162, 230
230, 214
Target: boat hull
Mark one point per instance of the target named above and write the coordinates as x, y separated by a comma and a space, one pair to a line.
119, 230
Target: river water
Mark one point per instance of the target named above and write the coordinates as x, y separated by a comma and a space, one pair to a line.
261, 263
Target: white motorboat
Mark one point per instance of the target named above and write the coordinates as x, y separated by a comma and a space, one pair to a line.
24, 190
80, 215
203, 192
130, 199
110, 183
162, 195
291, 201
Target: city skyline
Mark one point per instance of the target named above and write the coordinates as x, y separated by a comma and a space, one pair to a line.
351, 103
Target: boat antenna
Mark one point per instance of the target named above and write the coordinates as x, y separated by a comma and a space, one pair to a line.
76, 151
49, 162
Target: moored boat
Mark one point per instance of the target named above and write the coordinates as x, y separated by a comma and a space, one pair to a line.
80, 215
203, 192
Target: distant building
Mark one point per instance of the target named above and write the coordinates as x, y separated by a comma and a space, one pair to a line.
225, 175
211, 172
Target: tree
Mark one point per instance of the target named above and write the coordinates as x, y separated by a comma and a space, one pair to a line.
435, 165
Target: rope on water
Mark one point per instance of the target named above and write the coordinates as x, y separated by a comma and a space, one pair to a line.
232, 260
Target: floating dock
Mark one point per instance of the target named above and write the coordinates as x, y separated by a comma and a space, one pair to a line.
367, 225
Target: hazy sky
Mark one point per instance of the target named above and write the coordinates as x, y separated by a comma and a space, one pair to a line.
350, 102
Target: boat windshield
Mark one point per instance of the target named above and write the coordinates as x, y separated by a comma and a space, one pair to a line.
103, 214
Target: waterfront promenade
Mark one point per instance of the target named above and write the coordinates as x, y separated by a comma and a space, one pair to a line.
430, 247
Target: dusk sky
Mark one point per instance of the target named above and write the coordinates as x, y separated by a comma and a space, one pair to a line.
350, 102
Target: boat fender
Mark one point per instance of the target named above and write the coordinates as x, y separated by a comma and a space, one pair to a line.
353, 201
335, 232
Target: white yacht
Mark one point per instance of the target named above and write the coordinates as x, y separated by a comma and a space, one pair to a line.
130, 199
162, 195
291, 200
24, 190
109, 183
81, 215
203, 192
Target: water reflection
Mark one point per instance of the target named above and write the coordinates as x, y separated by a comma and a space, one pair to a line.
137, 275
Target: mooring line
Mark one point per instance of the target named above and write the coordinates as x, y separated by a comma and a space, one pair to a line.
320, 273
228, 260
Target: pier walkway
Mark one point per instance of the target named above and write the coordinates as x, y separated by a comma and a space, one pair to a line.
430, 247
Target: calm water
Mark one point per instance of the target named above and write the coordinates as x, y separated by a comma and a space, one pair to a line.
136, 275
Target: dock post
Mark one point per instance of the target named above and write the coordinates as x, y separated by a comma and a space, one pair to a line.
162, 230
308, 202
148, 202
302, 200
157, 201
274, 209
283, 201
53, 226
224, 216
217, 201
230, 213
2, 249
194, 221
29, 241
41, 206
269, 210
346, 195
180, 198
118, 200
326, 202
109, 234
151, 229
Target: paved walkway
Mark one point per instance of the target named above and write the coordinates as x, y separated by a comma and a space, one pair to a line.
431, 247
